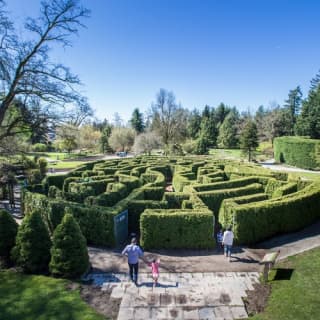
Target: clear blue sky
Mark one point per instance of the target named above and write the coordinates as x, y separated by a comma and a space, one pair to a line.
241, 52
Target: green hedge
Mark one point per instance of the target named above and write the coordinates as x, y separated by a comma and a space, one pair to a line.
214, 198
96, 223
288, 188
230, 184
298, 151
135, 209
55, 180
257, 221
172, 229
175, 199
253, 170
225, 219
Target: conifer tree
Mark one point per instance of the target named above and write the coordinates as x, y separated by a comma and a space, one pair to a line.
69, 253
32, 249
249, 138
8, 232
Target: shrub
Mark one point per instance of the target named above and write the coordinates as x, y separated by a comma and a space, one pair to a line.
8, 232
214, 198
42, 163
176, 229
39, 147
69, 253
32, 249
297, 151
257, 221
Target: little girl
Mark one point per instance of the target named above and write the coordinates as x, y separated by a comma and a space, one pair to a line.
155, 270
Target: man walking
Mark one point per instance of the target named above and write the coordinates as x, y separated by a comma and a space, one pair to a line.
133, 252
227, 242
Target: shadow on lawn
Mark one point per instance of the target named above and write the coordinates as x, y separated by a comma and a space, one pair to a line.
283, 274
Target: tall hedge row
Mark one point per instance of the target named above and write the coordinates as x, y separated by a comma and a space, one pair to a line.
214, 198
298, 151
172, 229
257, 221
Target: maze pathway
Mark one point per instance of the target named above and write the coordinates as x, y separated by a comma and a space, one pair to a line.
208, 295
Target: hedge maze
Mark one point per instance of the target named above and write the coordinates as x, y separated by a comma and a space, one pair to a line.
113, 198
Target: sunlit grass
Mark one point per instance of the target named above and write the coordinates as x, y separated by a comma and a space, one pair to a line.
25, 297
296, 297
236, 154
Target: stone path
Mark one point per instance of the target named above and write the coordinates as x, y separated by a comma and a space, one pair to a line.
201, 295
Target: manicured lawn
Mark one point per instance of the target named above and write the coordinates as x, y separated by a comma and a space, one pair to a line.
25, 297
296, 297
227, 153
65, 164
305, 175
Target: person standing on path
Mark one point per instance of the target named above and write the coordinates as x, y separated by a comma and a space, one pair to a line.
227, 242
133, 252
154, 264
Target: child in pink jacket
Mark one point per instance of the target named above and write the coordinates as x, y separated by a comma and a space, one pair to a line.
155, 271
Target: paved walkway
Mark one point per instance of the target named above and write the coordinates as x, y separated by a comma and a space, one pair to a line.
205, 295
193, 284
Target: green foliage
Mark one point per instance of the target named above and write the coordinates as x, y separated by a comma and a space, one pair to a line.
42, 163
69, 253
228, 131
135, 209
8, 232
40, 147
298, 297
249, 138
34, 176
298, 151
226, 184
214, 198
32, 249
176, 229
137, 121
308, 122
278, 215
29, 297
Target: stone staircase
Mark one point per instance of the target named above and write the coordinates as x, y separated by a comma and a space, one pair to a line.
208, 295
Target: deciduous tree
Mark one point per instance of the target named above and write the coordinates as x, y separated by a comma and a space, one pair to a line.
26, 71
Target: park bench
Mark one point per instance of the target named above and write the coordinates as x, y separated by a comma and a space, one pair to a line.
268, 261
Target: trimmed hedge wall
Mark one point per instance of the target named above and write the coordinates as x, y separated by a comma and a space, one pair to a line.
230, 184
96, 223
225, 219
214, 198
135, 209
172, 229
254, 222
95, 193
298, 151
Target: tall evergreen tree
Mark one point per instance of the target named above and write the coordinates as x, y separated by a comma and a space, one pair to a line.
209, 131
308, 123
249, 138
292, 108
137, 122
8, 232
69, 253
228, 131
32, 249
194, 124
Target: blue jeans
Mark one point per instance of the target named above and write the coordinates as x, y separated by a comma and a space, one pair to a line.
227, 250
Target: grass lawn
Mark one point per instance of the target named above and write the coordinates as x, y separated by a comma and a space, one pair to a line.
296, 298
26, 297
227, 154
305, 175
66, 164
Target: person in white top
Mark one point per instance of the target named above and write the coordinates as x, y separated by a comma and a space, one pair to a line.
227, 242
